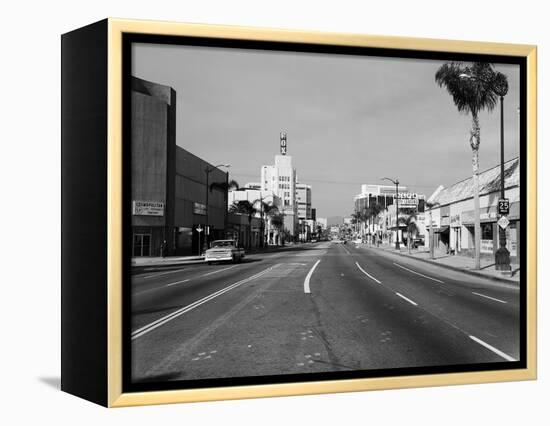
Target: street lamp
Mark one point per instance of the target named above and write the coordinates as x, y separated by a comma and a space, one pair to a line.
396, 183
499, 86
209, 170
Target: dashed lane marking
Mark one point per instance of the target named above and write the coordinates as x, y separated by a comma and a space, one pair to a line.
167, 318
367, 274
177, 282
488, 297
407, 299
418, 273
184, 281
219, 270
492, 349
308, 277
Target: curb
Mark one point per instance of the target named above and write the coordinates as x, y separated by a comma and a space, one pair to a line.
456, 268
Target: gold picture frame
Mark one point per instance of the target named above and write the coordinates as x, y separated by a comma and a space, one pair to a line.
114, 30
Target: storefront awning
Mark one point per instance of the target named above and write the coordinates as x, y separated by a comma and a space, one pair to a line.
441, 230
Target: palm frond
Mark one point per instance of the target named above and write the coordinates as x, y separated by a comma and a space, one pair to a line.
471, 86
224, 186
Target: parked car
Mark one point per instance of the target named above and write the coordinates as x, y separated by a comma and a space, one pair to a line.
223, 251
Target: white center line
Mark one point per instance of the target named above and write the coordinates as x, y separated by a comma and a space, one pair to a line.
177, 282
308, 277
492, 349
367, 274
488, 297
418, 273
161, 321
407, 299
219, 270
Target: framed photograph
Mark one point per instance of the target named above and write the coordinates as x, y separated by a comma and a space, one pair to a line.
254, 212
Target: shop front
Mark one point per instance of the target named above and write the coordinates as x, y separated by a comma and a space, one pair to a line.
490, 231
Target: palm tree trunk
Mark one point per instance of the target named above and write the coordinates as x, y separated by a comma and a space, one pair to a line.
474, 142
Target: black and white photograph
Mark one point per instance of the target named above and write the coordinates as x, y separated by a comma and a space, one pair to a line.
314, 215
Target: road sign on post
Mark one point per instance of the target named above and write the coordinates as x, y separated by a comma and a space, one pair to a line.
503, 206
503, 222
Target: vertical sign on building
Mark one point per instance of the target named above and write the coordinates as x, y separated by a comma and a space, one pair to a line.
283, 143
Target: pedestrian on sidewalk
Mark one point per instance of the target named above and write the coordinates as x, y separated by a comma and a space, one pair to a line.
163, 249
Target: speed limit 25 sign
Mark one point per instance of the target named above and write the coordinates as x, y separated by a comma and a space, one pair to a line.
503, 206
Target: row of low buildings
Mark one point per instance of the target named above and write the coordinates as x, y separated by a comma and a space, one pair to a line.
169, 184
451, 213
176, 203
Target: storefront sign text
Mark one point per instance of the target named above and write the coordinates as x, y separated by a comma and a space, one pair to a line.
147, 208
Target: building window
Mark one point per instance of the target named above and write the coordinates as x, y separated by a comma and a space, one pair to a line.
486, 231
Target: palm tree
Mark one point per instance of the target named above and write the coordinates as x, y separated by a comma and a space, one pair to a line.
277, 222
472, 89
375, 210
412, 229
247, 208
224, 186
267, 210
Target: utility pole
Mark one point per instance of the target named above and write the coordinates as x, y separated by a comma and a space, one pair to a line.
396, 183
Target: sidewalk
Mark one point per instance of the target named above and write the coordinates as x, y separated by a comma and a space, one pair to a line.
455, 262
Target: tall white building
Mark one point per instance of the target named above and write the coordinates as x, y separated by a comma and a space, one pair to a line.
303, 198
280, 179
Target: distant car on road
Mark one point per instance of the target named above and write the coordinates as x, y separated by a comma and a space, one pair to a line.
223, 251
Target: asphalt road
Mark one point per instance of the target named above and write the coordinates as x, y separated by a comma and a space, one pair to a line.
316, 308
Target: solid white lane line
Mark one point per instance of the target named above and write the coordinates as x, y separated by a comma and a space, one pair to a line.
308, 277
488, 297
418, 273
219, 270
407, 299
161, 321
177, 282
367, 274
492, 349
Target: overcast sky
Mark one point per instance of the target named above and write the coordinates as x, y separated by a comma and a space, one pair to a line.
349, 119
